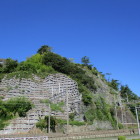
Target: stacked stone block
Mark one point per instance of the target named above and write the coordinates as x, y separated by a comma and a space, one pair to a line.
55, 87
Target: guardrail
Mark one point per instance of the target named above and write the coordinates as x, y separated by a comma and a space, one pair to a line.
26, 138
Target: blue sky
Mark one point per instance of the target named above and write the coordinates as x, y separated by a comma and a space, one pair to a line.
107, 31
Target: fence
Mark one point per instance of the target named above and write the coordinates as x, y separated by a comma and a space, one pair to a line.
27, 138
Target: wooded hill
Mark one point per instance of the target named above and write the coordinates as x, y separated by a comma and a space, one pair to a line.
99, 95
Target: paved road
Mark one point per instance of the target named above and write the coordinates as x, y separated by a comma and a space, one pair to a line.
116, 138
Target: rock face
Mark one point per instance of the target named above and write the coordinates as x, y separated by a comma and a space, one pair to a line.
55, 87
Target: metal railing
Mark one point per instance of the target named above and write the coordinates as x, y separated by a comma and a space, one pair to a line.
26, 138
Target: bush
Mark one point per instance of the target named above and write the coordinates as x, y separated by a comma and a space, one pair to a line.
54, 107
77, 123
100, 111
86, 95
10, 65
10, 108
57, 107
43, 123
71, 116
18, 105
90, 115
120, 126
121, 138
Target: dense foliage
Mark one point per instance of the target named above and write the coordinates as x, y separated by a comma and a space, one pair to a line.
127, 94
13, 107
25, 69
43, 123
114, 84
54, 107
121, 138
44, 49
63, 65
100, 111
9, 66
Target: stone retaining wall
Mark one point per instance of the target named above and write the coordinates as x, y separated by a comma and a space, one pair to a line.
54, 88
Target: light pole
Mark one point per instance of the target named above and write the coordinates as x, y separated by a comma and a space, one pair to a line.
116, 114
137, 119
49, 119
67, 111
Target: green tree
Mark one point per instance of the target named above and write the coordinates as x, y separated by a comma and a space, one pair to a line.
43, 123
44, 49
18, 105
126, 93
85, 60
1, 68
114, 84
10, 65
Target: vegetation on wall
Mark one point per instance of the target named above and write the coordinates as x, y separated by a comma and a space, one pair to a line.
26, 69
13, 107
100, 111
43, 123
54, 107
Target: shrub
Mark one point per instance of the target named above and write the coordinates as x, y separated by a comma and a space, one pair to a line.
10, 65
71, 116
86, 95
41, 124
90, 115
100, 111
121, 138
54, 107
18, 105
9, 109
120, 126
57, 107
77, 123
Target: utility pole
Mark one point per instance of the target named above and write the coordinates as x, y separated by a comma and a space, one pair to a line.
125, 109
116, 114
137, 120
121, 105
59, 87
49, 119
52, 91
67, 111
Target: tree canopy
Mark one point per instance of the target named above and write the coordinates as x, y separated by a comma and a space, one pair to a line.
10, 65
114, 84
127, 94
85, 60
44, 49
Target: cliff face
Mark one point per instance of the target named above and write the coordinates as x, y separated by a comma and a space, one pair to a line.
103, 90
